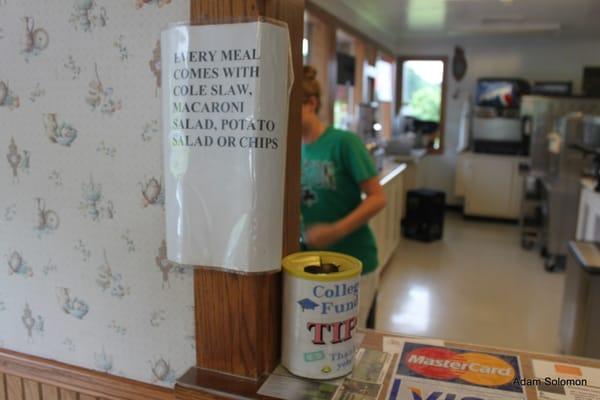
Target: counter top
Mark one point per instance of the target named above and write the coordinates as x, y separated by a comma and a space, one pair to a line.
391, 169
587, 255
374, 340
415, 156
588, 183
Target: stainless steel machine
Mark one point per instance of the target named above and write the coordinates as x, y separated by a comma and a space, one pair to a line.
567, 161
540, 114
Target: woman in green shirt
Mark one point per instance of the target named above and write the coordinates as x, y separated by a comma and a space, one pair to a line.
336, 170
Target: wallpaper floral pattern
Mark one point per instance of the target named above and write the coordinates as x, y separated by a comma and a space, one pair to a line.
83, 273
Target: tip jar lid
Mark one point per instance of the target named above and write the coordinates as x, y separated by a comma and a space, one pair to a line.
322, 266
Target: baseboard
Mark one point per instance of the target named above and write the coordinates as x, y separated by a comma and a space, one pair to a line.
22, 374
454, 207
497, 220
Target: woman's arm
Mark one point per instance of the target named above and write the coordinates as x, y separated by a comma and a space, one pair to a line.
324, 235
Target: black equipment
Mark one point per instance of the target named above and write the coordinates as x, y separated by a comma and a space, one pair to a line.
424, 219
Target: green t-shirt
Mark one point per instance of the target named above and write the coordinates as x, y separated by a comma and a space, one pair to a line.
332, 169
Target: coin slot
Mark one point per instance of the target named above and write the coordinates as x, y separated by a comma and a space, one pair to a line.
323, 269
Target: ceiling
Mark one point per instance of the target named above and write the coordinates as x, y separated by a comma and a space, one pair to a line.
392, 22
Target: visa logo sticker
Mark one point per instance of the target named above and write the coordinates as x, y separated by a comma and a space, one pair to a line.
417, 394
420, 394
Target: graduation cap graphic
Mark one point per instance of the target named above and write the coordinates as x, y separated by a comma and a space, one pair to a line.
308, 304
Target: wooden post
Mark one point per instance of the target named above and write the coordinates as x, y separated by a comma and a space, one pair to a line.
238, 316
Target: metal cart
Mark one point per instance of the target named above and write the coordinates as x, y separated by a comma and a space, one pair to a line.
531, 215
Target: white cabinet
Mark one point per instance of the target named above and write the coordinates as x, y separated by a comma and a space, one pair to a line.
490, 184
410, 179
386, 224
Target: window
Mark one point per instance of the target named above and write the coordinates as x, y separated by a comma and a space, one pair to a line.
422, 92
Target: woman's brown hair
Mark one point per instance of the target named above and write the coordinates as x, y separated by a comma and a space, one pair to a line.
310, 85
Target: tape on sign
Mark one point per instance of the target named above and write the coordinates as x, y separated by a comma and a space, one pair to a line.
320, 310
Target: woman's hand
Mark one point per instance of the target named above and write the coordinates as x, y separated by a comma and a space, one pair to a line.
321, 236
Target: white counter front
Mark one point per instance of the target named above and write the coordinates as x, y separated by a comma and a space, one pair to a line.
386, 225
490, 184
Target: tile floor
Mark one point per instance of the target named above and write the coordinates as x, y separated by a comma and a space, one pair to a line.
476, 285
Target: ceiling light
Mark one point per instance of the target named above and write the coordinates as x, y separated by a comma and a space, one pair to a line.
426, 14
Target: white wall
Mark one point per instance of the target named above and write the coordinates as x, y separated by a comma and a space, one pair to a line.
84, 281
532, 58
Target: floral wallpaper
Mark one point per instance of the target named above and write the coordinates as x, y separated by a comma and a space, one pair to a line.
83, 274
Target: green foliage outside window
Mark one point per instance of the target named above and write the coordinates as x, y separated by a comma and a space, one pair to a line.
423, 98
425, 104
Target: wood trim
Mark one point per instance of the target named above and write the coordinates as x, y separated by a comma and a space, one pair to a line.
26, 377
338, 23
237, 322
399, 79
360, 79
210, 9
214, 385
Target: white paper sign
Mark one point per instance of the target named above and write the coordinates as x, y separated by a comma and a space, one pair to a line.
561, 381
225, 116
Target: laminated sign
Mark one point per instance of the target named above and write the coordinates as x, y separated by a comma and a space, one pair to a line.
225, 117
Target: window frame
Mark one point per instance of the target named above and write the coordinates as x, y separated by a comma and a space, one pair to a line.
399, 93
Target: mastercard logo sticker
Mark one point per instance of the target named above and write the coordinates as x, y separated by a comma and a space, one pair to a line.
445, 364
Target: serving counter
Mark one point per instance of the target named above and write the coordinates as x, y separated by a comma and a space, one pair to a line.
386, 224
375, 339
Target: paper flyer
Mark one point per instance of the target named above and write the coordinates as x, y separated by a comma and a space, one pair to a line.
560, 381
371, 366
365, 383
356, 390
407, 388
369, 372
292, 388
225, 103
427, 372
